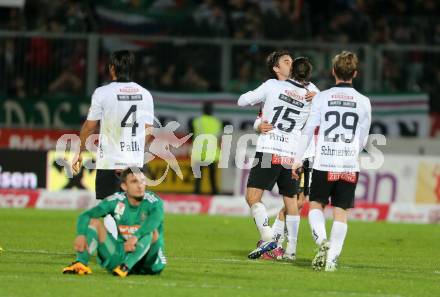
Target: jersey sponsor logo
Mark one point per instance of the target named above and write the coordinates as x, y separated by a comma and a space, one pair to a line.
127, 231
281, 160
135, 97
342, 96
342, 103
292, 101
350, 177
129, 90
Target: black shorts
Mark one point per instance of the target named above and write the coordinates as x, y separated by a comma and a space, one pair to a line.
340, 187
264, 175
107, 182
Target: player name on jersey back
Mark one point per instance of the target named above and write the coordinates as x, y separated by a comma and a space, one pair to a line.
123, 110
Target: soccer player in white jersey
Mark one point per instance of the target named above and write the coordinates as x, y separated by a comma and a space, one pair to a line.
344, 118
301, 74
285, 107
126, 113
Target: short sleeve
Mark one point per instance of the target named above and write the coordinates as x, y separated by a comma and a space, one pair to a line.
95, 110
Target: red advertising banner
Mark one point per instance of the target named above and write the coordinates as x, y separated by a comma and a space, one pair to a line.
186, 204
18, 198
30, 139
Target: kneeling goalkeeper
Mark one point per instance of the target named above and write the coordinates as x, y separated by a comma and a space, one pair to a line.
139, 217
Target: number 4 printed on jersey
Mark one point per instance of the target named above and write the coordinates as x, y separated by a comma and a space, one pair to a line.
133, 124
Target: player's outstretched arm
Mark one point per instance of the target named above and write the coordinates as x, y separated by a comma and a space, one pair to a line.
101, 210
253, 97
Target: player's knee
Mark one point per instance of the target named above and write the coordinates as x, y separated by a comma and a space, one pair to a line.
100, 229
340, 214
316, 205
291, 205
253, 195
94, 223
301, 200
282, 214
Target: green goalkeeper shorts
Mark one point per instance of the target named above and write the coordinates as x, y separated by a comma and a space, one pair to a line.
111, 254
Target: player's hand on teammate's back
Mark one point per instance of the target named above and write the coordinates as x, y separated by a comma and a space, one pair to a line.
310, 95
76, 167
130, 244
80, 244
265, 127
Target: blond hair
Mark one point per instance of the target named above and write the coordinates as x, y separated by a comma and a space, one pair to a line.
345, 64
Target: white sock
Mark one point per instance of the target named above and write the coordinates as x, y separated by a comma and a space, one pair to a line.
278, 231
292, 224
337, 237
258, 211
317, 225
110, 225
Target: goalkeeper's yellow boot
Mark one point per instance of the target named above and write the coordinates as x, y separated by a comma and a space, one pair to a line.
77, 268
121, 270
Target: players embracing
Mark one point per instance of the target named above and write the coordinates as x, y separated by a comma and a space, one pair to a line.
285, 106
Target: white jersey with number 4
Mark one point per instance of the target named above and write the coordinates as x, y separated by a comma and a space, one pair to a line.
123, 109
285, 107
344, 118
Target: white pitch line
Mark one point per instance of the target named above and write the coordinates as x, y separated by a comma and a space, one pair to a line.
43, 252
344, 293
226, 260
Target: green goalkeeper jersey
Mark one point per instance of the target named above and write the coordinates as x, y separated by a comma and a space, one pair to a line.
131, 220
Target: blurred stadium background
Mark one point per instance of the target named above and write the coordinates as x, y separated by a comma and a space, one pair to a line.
53, 55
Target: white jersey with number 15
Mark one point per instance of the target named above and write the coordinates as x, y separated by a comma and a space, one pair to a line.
123, 109
285, 107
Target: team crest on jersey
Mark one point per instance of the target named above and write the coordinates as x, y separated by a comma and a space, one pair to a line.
119, 210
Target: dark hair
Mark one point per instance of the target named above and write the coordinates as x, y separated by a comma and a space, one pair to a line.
125, 173
345, 65
301, 69
207, 108
123, 62
273, 60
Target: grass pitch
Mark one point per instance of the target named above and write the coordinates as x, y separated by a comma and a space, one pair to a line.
207, 257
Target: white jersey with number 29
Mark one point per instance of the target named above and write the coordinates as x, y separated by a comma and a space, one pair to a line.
285, 107
344, 118
123, 109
